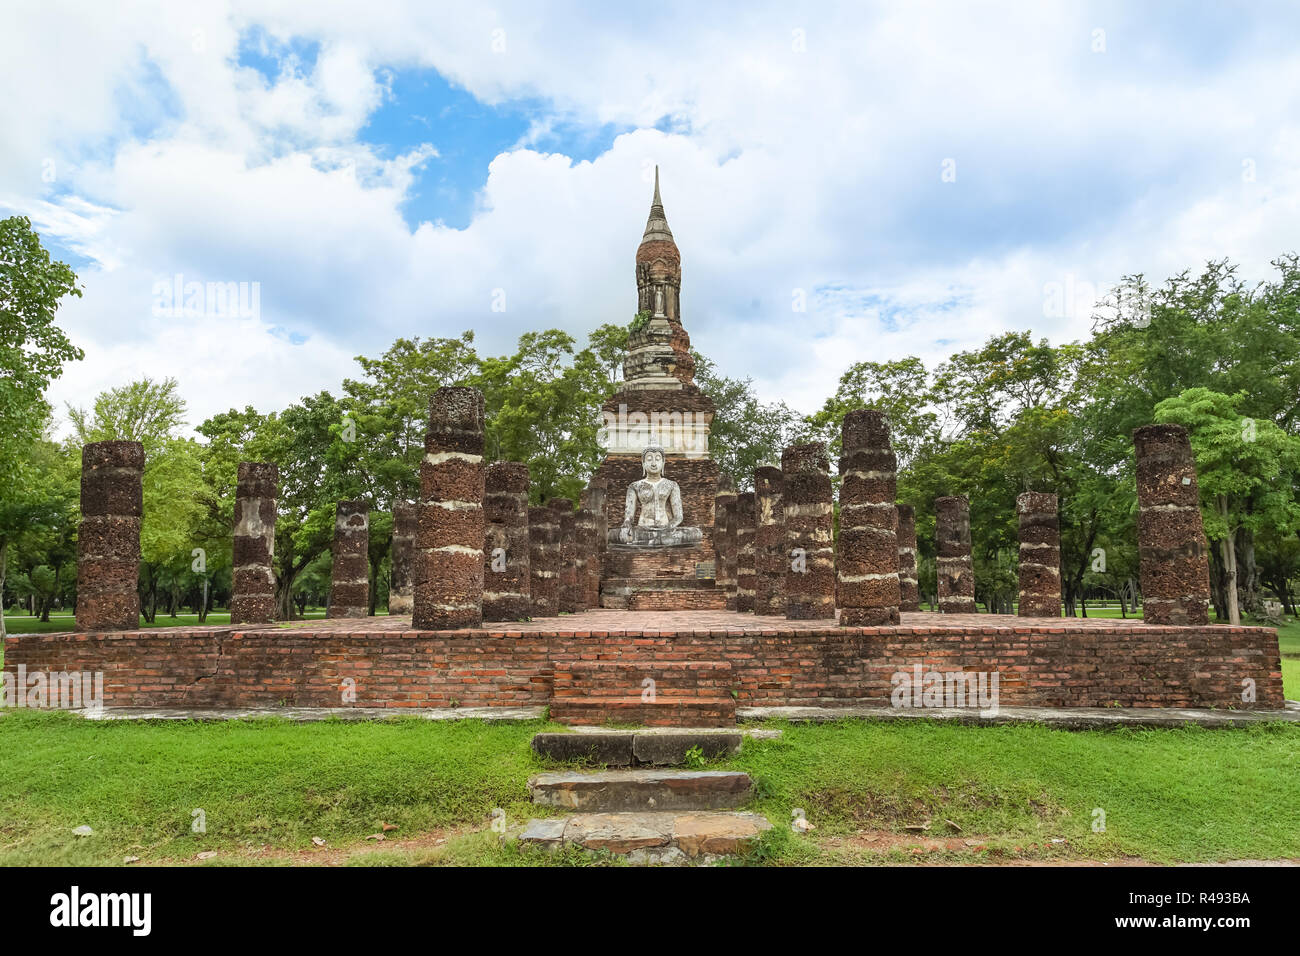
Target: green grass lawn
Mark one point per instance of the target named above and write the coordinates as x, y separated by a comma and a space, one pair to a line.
1168, 795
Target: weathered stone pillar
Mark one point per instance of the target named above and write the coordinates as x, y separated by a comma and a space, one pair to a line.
1040, 555
401, 577
544, 561
594, 500
867, 552
909, 592
746, 519
731, 528
955, 573
108, 540
584, 529
724, 547
350, 579
449, 544
770, 560
809, 526
1174, 566
252, 590
570, 593
506, 575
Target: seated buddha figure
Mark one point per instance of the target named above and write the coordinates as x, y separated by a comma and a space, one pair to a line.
652, 516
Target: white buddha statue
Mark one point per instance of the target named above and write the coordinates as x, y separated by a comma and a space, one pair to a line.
659, 501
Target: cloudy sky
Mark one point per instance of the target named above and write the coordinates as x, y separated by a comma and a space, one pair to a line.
921, 176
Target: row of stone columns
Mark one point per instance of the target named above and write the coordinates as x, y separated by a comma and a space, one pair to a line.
786, 535
472, 550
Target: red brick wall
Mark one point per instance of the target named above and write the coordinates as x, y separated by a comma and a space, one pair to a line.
218, 668
1138, 665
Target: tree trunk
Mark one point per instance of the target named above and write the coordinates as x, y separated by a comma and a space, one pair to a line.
1250, 601
1218, 578
4, 565
1228, 548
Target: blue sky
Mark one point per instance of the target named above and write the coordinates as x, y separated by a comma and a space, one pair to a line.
398, 174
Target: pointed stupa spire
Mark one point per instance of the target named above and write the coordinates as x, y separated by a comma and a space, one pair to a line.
656, 227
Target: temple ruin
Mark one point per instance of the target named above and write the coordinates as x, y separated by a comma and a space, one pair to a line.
667, 596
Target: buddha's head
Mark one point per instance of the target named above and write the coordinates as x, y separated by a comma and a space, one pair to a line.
652, 461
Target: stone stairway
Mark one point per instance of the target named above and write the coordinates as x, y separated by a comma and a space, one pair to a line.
648, 814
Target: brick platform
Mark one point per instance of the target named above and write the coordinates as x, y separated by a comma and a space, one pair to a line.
1040, 663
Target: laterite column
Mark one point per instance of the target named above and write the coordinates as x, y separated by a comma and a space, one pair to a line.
108, 539
252, 590
570, 597
867, 552
909, 592
769, 542
593, 499
724, 546
746, 518
544, 561
956, 574
401, 577
350, 579
809, 525
506, 578
449, 544
1172, 555
584, 529
1040, 555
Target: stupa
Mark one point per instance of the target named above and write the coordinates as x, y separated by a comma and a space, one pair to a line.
658, 408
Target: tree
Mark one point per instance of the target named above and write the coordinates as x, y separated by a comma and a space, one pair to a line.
609, 342
153, 413
33, 351
745, 432
146, 411
1246, 470
543, 408
898, 389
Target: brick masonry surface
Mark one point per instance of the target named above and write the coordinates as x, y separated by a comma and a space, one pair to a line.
1065, 663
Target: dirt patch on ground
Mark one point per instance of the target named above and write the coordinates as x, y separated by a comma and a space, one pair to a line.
937, 848
318, 855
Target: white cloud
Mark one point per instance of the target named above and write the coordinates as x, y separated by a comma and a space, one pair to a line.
814, 169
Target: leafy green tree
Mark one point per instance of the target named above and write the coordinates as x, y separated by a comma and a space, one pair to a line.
543, 409
153, 413
745, 432
897, 388
146, 411
1246, 470
38, 511
300, 441
33, 351
609, 343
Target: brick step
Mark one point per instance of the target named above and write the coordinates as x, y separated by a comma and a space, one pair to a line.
624, 749
686, 693
609, 791
662, 712
684, 677
655, 837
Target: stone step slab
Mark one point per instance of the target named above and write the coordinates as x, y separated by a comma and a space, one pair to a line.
632, 790
622, 749
650, 837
